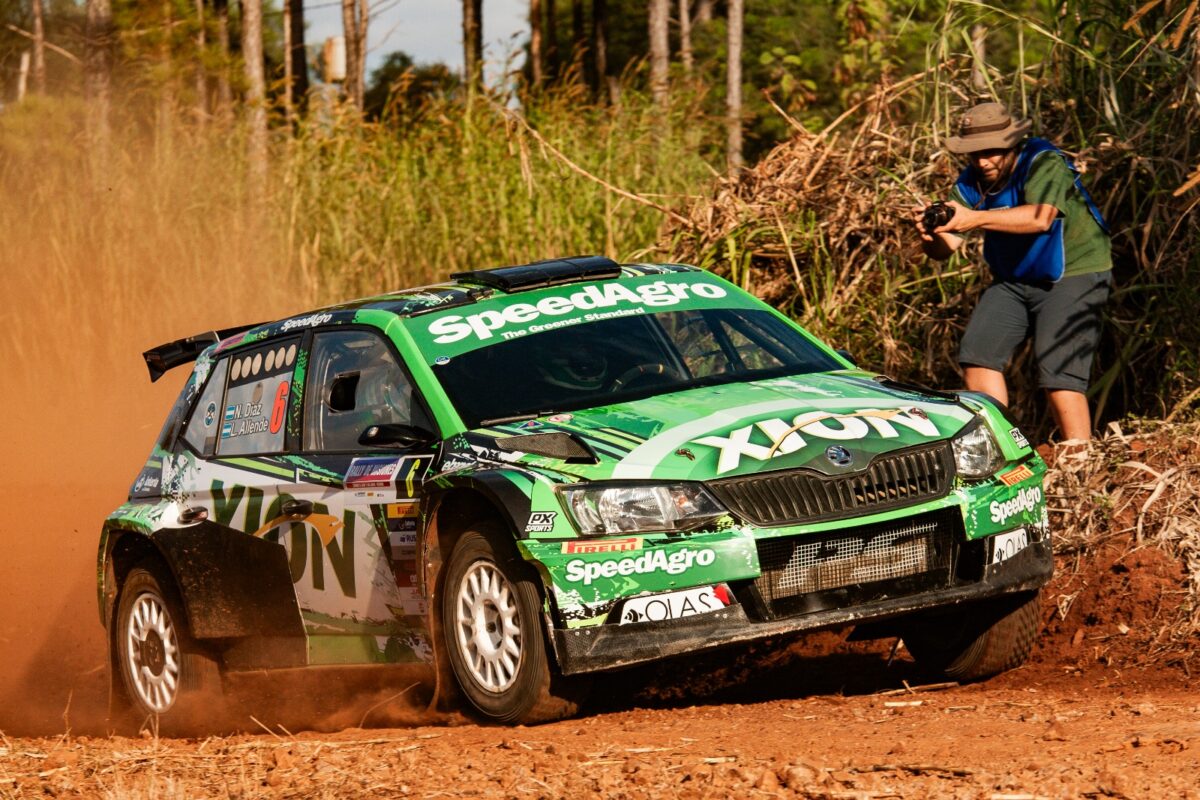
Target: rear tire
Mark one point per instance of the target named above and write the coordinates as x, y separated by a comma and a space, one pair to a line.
492, 628
167, 678
976, 642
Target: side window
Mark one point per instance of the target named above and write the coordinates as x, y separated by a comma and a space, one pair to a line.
756, 347
255, 407
354, 383
691, 334
205, 424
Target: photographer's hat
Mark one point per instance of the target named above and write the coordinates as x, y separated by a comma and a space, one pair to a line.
987, 126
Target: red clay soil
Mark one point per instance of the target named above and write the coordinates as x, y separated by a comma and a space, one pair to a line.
1101, 710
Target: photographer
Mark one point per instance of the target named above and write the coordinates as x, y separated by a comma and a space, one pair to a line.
1048, 250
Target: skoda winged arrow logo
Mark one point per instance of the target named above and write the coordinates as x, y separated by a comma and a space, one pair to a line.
838, 456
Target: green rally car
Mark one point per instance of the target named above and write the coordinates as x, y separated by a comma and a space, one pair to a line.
530, 474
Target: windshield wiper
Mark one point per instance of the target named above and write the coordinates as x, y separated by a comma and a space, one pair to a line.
487, 423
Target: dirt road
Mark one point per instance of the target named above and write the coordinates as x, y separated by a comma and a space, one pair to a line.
842, 726
1080, 720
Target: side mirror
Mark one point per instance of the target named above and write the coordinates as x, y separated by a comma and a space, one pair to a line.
844, 353
396, 435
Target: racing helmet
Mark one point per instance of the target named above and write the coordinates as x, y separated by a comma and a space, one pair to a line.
570, 365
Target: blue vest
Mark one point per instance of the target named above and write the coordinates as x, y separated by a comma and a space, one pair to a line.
1023, 257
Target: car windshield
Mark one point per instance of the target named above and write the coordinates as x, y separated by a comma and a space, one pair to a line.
626, 358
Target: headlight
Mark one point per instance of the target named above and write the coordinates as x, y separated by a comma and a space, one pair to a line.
599, 509
976, 454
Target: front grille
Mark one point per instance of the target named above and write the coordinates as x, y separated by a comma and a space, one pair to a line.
895, 480
798, 565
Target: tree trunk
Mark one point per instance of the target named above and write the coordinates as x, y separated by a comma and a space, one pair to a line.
551, 39
299, 55
660, 52
578, 36
599, 46
224, 89
704, 11
22, 75
537, 65
354, 22
201, 104
733, 88
39, 49
256, 94
472, 24
165, 89
98, 71
979, 64
685, 36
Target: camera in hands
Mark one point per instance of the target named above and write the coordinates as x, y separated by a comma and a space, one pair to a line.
936, 215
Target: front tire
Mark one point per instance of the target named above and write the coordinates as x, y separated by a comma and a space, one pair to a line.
491, 622
164, 674
977, 642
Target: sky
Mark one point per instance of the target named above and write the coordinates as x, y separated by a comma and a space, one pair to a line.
428, 30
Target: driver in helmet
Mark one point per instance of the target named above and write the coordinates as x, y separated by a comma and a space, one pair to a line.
569, 365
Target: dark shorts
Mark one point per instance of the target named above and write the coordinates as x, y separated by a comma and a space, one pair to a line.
1064, 318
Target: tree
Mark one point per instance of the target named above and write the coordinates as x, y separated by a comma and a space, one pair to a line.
224, 89
599, 47
660, 52
685, 36
733, 87
355, 17
551, 39
98, 69
578, 36
39, 49
256, 92
537, 55
472, 24
399, 90
295, 59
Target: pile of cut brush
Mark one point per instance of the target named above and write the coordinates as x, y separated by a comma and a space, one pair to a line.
822, 228
1126, 522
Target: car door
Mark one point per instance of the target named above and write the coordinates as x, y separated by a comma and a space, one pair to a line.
357, 586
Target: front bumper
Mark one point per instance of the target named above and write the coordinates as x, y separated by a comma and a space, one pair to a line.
605, 647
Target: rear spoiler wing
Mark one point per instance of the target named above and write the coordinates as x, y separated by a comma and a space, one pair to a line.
184, 351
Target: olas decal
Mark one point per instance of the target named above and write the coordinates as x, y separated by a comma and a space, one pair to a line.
676, 563
1025, 501
783, 437
454, 327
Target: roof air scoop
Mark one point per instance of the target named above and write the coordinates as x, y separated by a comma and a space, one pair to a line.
541, 274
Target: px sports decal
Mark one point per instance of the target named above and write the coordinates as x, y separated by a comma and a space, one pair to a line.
541, 522
778, 436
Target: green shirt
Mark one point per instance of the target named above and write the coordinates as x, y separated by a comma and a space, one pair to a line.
1086, 247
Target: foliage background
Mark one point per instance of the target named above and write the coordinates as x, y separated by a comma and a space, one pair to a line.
846, 115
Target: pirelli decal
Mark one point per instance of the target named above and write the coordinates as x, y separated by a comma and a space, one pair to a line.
584, 547
1015, 476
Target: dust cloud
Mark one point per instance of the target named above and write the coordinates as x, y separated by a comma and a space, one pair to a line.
79, 417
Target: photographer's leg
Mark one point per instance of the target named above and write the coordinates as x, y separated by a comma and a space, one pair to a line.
1071, 413
996, 328
1065, 341
989, 381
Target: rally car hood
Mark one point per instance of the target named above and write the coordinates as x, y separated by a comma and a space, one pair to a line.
832, 422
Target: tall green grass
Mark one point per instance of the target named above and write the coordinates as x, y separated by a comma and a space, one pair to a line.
160, 237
